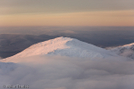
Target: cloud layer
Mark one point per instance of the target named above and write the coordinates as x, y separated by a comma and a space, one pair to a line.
69, 73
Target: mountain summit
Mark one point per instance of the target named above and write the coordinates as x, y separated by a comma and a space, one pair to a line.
65, 46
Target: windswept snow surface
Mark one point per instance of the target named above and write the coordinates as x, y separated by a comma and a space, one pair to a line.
125, 50
66, 63
64, 46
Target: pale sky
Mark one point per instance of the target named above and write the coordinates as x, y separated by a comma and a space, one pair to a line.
67, 13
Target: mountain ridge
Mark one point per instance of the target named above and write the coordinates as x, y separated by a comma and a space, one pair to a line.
64, 46
124, 50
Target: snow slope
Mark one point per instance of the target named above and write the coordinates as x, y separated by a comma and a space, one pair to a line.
65, 46
125, 50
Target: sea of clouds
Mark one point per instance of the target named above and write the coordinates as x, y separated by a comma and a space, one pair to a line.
54, 72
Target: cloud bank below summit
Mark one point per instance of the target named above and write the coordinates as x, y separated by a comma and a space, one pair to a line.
69, 73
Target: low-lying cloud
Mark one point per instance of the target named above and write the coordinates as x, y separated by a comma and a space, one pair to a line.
68, 73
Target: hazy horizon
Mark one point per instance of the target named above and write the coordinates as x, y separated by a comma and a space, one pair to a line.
101, 36
54, 30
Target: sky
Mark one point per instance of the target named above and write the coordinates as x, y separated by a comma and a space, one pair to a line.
66, 13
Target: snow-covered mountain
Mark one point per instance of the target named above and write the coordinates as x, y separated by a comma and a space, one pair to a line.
64, 46
125, 50
40, 67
